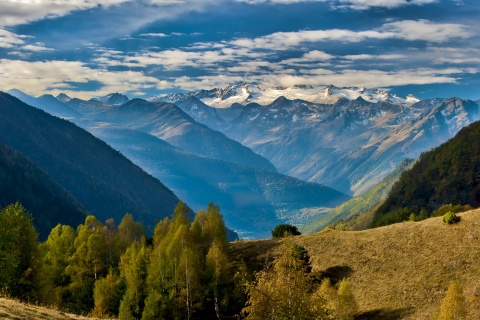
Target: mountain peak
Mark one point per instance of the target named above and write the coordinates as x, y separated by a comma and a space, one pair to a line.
62, 97
113, 99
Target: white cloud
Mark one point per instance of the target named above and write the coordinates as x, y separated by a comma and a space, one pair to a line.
37, 47
366, 4
19, 12
9, 39
369, 78
160, 35
410, 30
375, 57
426, 30
56, 76
350, 4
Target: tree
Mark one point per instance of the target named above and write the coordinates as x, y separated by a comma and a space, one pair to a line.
453, 306
107, 294
282, 292
19, 255
217, 273
347, 306
88, 263
133, 268
56, 252
285, 230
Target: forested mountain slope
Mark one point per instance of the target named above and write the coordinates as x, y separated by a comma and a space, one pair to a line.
106, 183
448, 174
23, 181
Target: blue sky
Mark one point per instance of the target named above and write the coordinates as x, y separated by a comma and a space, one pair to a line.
87, 48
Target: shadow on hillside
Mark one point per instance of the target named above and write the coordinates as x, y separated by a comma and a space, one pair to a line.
336, 273
381, 314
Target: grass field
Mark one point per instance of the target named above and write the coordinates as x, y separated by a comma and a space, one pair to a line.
12, 309
401, 271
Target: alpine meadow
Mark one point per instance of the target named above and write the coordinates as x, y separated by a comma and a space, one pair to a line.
240, 159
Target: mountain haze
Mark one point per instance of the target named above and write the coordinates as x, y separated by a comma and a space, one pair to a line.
350, 143
100, 178
168, 122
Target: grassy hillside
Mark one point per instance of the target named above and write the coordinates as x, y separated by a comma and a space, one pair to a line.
401, 271
12, 309
358, 205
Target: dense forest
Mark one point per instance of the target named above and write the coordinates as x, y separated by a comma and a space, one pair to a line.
182, 272
448, 174
44, 198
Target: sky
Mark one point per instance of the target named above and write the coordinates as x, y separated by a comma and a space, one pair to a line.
89, 48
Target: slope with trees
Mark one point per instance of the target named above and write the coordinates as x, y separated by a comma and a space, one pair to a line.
106, 183
448, 174
23, 181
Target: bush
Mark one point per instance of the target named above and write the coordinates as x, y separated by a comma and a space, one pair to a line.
285, 230
451, 218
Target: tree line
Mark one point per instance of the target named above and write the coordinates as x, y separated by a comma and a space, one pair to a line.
182, 272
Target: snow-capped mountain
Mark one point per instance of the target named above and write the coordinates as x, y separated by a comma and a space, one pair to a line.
349, 145
244, 94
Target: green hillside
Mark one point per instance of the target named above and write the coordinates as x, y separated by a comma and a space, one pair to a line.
448, 174
356, 210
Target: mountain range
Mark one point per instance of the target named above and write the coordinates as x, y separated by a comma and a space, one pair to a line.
226, 145
252, 195
106, 183
349, 142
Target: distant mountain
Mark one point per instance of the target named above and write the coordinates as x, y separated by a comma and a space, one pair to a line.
168, 122
448, 174
357, 213
349, 145
113, 99
23, 181
245, 94
252, 200
47, 103
100, 178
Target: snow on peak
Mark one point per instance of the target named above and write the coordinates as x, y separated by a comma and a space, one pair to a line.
244, 94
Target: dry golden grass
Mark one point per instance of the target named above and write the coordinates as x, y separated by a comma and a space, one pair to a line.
400, 271
12, 309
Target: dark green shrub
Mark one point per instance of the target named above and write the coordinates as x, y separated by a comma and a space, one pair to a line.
285, 230
451, 218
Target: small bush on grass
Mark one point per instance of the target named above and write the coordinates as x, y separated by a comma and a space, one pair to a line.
451, 218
